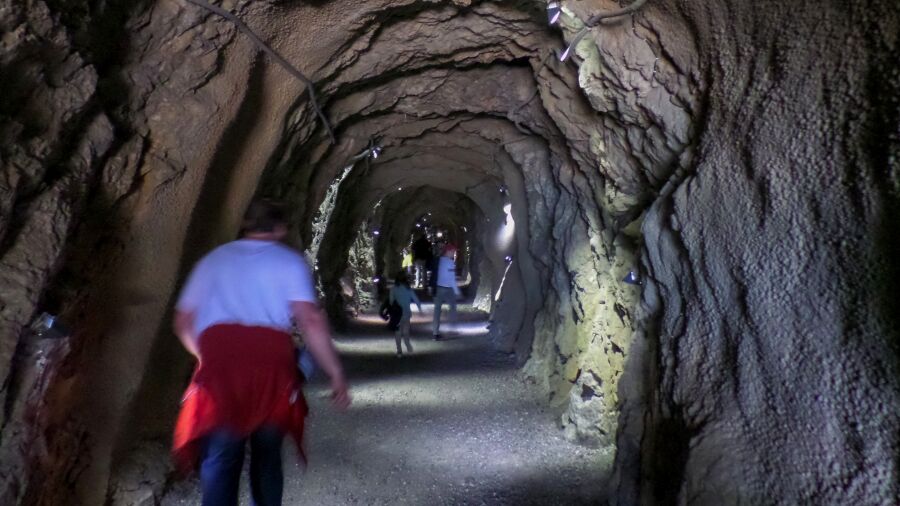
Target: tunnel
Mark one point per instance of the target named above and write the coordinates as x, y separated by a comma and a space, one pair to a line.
677, 224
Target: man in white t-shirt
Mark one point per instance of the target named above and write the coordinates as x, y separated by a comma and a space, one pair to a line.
446, 290
234, 314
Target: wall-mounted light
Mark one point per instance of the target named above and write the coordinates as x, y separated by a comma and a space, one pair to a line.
508, 259
594, 21
376, 279
499, 293
465, 229
571, 47
376, 232
507, 209
48, 326
632, 278
553, 12
372, 151
440, 234
418, 225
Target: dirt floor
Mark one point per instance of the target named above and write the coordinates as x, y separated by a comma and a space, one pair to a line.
451, 424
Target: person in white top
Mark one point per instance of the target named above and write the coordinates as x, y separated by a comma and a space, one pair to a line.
234, 315
446, 289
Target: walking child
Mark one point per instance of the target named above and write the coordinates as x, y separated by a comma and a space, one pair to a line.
403, 295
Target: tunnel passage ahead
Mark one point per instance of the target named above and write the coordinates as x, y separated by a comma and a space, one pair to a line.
734, 157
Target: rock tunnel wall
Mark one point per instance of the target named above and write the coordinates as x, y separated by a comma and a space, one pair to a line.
767, 367
742, 158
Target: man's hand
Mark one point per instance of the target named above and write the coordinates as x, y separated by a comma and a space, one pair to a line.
313, 323
340, 394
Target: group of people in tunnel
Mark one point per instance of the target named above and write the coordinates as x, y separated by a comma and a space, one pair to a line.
235, 315
440, 271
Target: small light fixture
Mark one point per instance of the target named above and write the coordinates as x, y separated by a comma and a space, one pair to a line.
503, 188
418, 225
571, 47
440, 234
376, 232
376, 279
48, 326
399, 188
632, 278
465, 229
508, 259
553, 12
375, 151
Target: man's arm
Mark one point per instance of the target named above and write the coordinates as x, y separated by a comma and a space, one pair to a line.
184, 329
313, 323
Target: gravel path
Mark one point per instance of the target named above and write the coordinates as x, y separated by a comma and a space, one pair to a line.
451, 424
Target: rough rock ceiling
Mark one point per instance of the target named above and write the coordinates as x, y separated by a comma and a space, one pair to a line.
737, 156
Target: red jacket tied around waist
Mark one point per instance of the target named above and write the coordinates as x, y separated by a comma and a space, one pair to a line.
247, 378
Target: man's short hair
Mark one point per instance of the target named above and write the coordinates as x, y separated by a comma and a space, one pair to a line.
263, 215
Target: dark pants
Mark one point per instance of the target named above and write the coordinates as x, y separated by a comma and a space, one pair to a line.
220, 471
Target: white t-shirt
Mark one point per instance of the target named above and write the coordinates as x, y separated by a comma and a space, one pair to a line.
249, 282
446, 272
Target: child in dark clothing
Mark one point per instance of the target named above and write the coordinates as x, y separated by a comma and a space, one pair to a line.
403, 295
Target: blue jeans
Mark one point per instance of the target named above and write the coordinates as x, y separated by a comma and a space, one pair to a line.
444, 295
220, 471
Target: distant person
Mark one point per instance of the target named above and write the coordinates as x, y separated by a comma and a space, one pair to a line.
421, 250
437, 250
403, 295
446, 290
234, 315
407, 263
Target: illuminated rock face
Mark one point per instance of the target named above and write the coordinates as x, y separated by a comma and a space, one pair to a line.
742, 160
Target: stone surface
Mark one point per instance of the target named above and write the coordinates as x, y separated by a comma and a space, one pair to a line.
742, 158
767, 370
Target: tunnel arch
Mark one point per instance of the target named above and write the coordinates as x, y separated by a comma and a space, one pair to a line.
399, 215
390, 171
